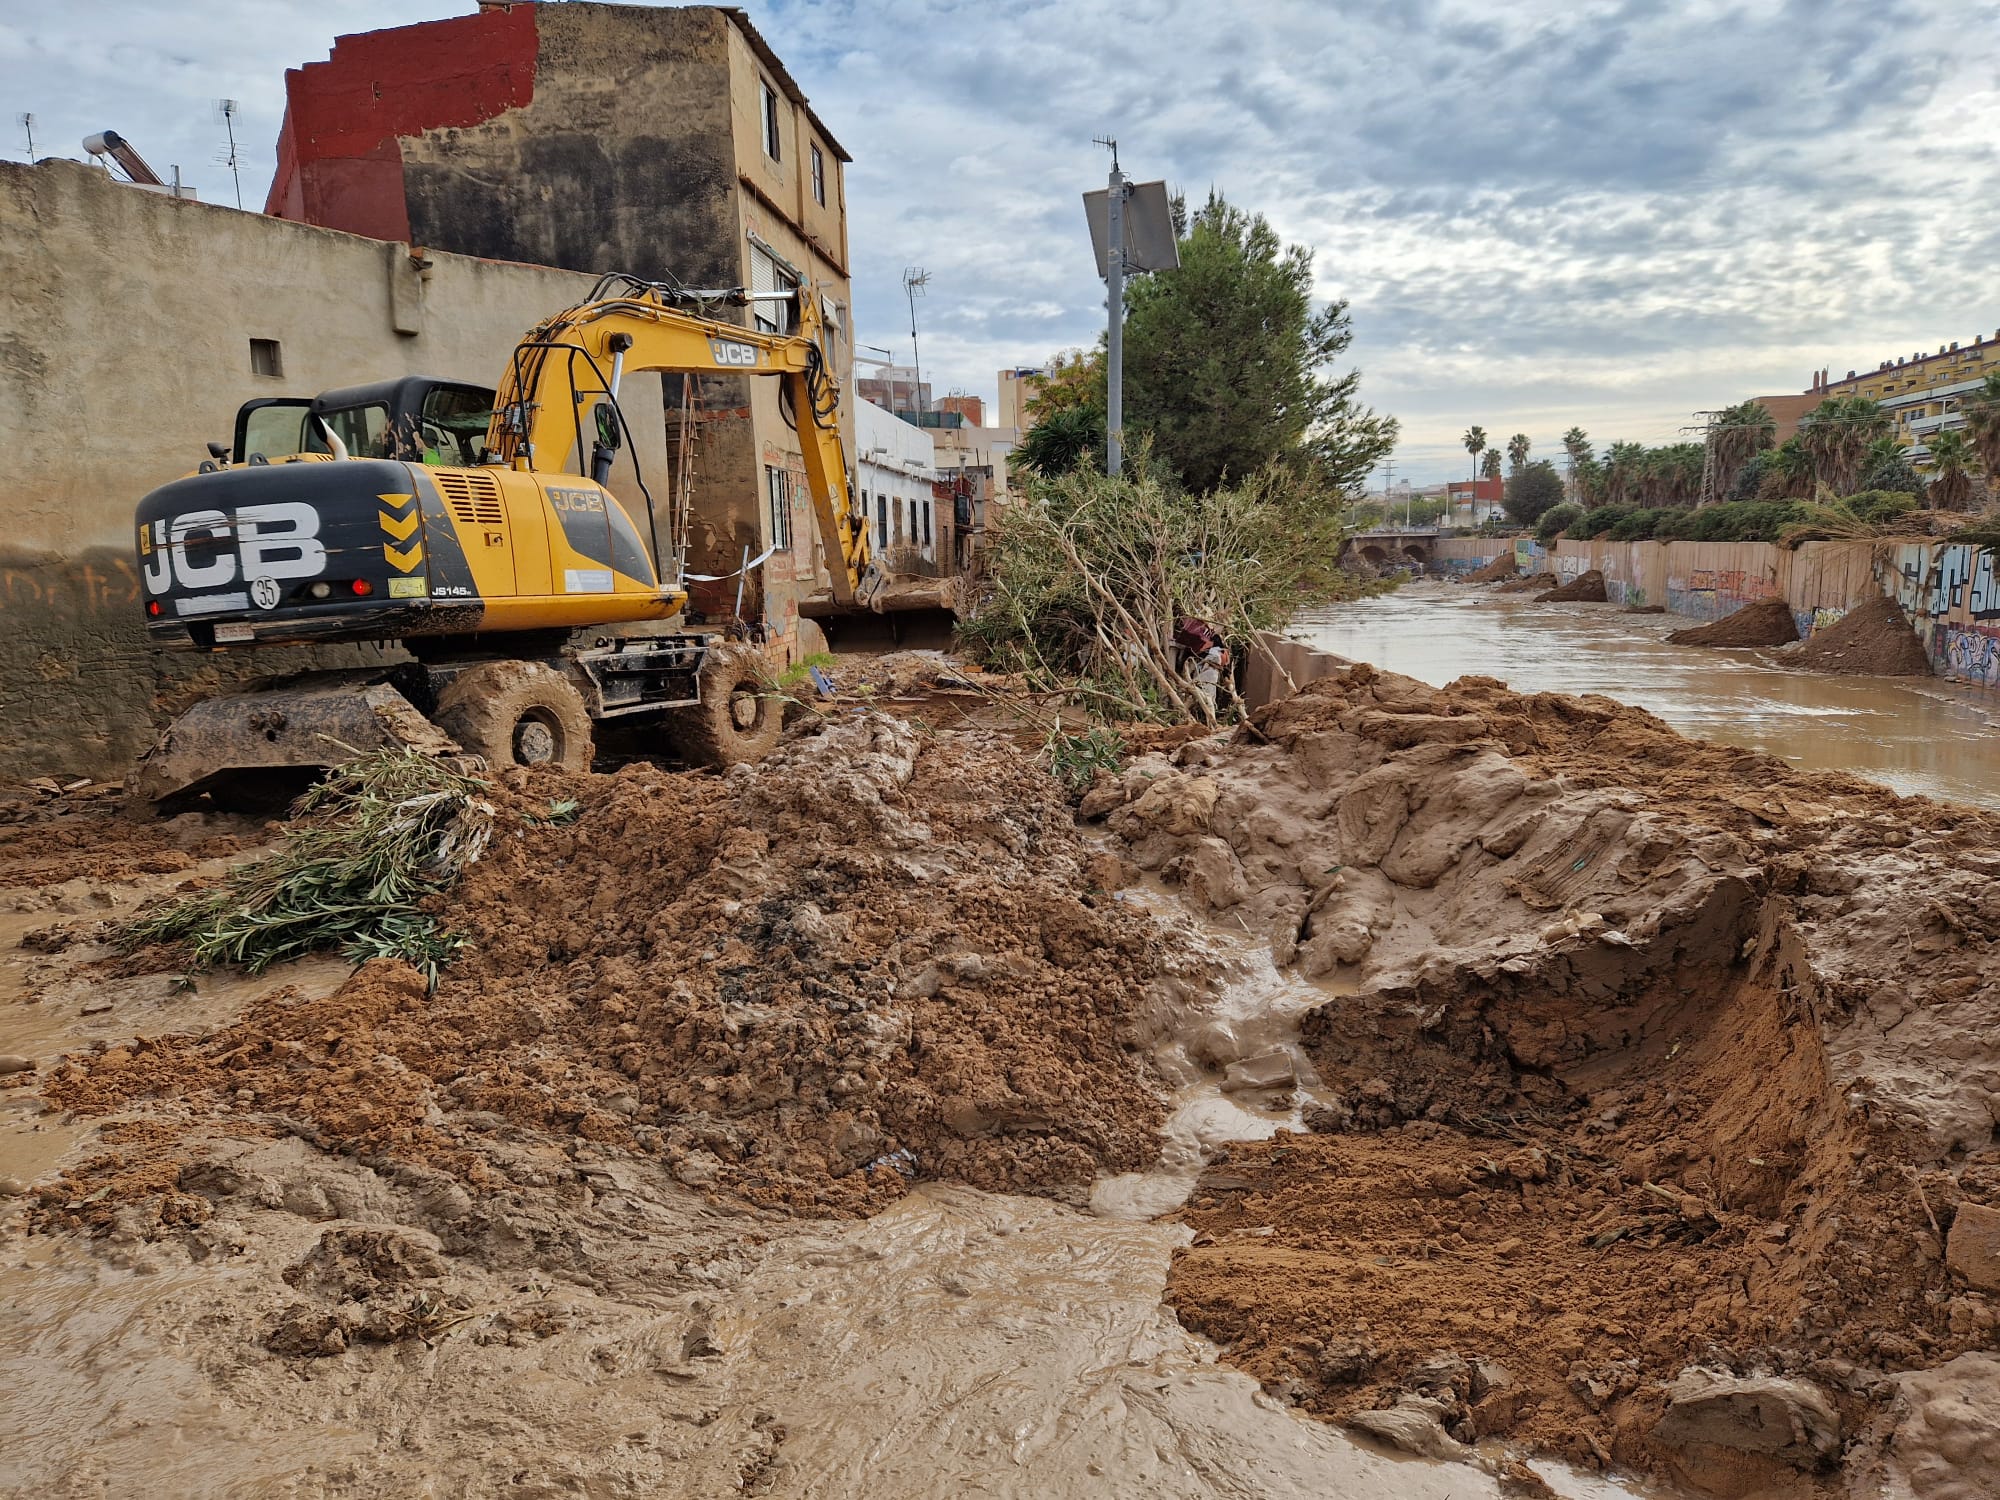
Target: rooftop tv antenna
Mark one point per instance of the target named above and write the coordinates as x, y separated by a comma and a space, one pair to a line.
915, 279
27, 123
229, 109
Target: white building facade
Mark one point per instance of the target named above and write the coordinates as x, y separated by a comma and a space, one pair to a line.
894, 472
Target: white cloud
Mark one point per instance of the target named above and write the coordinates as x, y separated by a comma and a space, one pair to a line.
1607, 213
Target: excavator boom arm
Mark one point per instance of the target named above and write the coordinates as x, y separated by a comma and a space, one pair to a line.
539, 418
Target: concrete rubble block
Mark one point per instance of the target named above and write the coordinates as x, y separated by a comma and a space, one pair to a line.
1764, 1414
1268, 1070
1973, 1247
1211, 874
1414, 1425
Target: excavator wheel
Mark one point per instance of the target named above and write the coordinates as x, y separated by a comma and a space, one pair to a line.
516, 713
739, 716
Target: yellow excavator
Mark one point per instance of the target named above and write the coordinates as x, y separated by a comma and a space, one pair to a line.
474, 528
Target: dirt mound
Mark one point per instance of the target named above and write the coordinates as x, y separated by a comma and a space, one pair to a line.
1585, 588
1527, 583
879, 956
1768, 623
1658, 1055
1874, 639
1502, 566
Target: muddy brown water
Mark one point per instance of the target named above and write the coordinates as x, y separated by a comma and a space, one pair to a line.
960, 1343
1921, 736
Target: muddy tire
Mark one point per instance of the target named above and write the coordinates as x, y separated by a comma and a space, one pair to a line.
739, 716
516, 713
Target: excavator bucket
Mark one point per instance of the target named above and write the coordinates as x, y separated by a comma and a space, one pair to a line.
317, 720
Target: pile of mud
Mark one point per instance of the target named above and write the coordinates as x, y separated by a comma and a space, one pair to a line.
1874, 639
1502, 566
1527, 583
1767, 623
880, 956
1585, 588
1657, 1080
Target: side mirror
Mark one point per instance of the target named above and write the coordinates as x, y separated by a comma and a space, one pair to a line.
218, 451
609, 434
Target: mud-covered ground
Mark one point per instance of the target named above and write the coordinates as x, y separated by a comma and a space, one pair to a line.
1667, 1077
1650, 1084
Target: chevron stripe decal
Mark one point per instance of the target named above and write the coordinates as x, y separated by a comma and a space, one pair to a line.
401, 528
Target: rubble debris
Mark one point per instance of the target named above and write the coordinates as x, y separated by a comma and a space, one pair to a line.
1761, 1414
1501, 567
1873, 639
1973, 1248
1585, 588
1528, 583
1768, 622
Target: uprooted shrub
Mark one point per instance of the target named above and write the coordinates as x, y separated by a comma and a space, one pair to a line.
1089, 574
372, 841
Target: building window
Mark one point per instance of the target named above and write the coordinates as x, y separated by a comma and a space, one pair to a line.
819, 177
266, 358
766, 276
927, 523
913, 523
882, 521
780, 486
768, 99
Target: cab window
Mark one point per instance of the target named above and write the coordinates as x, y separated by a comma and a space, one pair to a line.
453, 426
362, 430
275, 431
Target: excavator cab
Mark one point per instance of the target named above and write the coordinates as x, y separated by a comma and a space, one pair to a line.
417, 419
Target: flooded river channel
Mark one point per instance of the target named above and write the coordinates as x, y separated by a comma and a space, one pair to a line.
1920, 736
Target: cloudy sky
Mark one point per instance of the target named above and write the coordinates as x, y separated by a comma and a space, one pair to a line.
1543, 212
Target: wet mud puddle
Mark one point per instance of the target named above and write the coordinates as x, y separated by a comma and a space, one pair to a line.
960, 1343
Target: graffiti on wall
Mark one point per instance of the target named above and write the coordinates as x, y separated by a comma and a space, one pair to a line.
1970, 653
1712, 593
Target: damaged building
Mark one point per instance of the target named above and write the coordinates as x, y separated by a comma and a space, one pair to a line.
441, 188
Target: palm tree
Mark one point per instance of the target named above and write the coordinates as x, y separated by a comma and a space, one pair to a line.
1475, 444
1576, 443
1489, 465
1837, 433
1791, 470
1742, 432
1951, 461
1517, 451
1982, 423
1621, 472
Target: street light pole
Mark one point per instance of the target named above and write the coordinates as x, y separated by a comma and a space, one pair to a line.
1114, 297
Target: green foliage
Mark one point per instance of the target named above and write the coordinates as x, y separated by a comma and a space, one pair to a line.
1636, 525
1892, 471
1489, 464
373, 840
1075, 759
1226, 363
1067, 439
1599, 521
1836, 436
1531, 490
1556, 519
1750, 477
1089, 574
801, 669
1749, 521
1875, 506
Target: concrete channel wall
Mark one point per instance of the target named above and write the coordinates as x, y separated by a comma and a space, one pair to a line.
1950, 591
127, 321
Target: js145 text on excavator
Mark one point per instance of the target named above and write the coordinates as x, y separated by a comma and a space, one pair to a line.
476, 530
